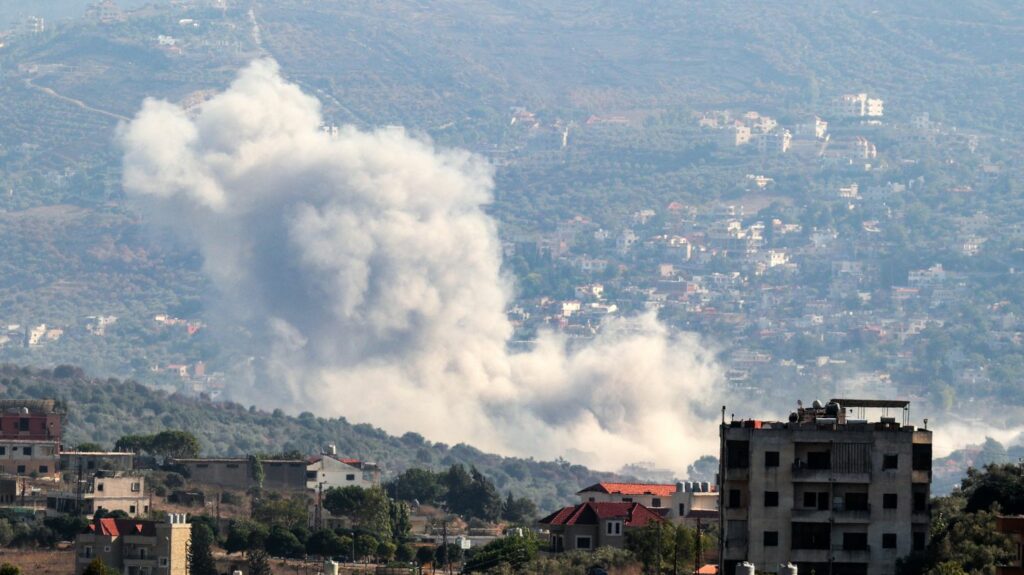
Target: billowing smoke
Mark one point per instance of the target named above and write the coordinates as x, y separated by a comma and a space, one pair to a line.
368, 271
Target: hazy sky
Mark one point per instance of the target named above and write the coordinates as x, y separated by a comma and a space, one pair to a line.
14, 11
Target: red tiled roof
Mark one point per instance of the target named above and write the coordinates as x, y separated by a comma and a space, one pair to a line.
659, 489
117, 527
633, 514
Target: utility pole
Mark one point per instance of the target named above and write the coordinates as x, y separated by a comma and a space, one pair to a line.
699, 558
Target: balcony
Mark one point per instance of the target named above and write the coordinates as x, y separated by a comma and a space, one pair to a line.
811, 515
844, 555
852, 515
920, 476
810, 555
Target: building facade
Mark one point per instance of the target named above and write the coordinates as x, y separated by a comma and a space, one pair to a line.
40, 458
590, 525
826, 491
692, 504
104, 491
239, 473
327, 471
134, 547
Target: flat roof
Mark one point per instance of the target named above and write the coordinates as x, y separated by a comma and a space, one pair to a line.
881, 403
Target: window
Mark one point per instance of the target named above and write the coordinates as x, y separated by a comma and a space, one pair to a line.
21, 469
136, 487
810, 499
812, 535
582, 542
627, 499
737, 454
232, 466
919, 537
311, 476
890, 462
90, 464
26, 451
145, 508
613, 528
3, 450
106, 548
202, 465
819, 460
131, 510
855, 541
771, 538
44, 469
87, 552
889, 501
920, 502
99, 487
771, 458
682, 509
142, 552
656, 502
350, 477
23, 424
771, 498
163, 562
888, 540
855, 501
734, 498
922, 457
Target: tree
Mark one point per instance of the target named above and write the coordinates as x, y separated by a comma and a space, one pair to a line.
375, 513
175, 444
97, 567
89, 447
1002, 484
424, 555
343, 501
416, 484
256, 466
386, 550
277, 510
8, 569
325, 543
514, 551
447, 554
200, 556
283, 543
259, 563
520, 510
133, 443
399, 518
405, 553
366, 546
245, 535
471, 494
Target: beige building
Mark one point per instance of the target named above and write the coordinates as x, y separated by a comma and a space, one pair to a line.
104, 491
827, 490
29, 457
135, 547
691, 503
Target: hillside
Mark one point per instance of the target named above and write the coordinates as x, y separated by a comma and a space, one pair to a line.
104, 410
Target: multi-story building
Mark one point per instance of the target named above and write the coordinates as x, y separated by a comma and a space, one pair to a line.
30, 419
112, 492
39, 458
691, 503
85, 464
328, 470
858, 105
827, 490
135, 547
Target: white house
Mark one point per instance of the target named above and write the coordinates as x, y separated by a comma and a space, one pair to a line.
329, 471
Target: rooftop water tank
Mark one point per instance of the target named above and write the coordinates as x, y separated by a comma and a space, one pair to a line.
745, 569
787, 569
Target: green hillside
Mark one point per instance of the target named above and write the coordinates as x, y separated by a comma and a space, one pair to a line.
103, 410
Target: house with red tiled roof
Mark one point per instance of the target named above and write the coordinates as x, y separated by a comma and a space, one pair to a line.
591, 525
689, 503
136, 547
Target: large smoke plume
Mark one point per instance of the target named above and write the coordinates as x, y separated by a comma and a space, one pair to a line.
370, 274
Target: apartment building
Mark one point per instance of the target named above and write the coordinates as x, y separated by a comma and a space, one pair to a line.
828, 490
105, 490
135, 547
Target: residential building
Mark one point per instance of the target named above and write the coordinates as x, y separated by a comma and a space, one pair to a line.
1014, 527
112, 492
332, 471
590, 525
827, 490
690, 503
30, 419
239, 472
84, 464
135, 547
29, 457
858, 105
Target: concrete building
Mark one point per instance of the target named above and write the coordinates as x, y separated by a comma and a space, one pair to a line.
86, 464
691, 503
329, 471
827, 490
590, 525
858, 105
29, 457
36, 419
103, 491
134, 547
237, 473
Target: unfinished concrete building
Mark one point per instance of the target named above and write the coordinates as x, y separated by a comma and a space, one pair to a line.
828, 490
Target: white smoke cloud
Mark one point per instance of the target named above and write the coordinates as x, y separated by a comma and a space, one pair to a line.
371, 274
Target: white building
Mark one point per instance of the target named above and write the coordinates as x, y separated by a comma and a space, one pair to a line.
327, 471
858, 105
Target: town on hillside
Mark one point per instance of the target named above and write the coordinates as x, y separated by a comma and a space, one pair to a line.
841, 487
